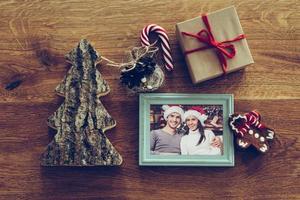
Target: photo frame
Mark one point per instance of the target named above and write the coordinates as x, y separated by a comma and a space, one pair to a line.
150, 127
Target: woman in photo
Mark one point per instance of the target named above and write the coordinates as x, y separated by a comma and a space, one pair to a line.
197, 141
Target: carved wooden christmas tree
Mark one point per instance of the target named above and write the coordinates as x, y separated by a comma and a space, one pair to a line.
82, 119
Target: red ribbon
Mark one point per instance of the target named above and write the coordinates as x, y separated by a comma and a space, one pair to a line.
223, 49
253, 118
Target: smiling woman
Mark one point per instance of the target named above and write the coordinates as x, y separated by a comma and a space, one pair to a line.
197, 140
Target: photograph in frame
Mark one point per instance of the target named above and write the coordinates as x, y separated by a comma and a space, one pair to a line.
185, 130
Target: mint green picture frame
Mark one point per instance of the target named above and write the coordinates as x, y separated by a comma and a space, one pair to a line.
146, 159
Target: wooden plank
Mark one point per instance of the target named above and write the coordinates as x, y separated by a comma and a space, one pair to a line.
21, 148
35, 36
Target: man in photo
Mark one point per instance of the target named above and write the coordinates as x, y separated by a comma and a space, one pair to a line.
166, 140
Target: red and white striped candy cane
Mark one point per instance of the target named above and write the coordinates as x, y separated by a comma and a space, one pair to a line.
165, 44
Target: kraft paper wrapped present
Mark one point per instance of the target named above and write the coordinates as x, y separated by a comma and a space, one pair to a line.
213, 44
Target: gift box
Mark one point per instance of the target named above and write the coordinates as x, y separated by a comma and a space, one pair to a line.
213, 44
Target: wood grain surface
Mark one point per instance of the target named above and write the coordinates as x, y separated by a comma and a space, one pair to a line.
34, 37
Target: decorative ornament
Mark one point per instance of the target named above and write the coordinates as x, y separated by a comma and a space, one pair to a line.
82, 119
165, 44
250, 131
142, 73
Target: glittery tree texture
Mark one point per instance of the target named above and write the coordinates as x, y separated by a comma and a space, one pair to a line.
82, 119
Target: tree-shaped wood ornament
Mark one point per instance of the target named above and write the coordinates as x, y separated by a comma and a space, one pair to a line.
82, 119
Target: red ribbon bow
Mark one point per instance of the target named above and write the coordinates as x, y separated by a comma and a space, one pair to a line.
252, 119
223, 49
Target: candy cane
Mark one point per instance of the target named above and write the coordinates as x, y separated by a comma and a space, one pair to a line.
165, 44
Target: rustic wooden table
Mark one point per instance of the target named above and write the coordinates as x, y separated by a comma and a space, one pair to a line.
34, 37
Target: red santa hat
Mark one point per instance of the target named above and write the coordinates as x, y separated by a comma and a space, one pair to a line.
198, 112
171, 109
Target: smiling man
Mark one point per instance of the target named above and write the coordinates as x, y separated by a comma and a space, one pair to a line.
166, 140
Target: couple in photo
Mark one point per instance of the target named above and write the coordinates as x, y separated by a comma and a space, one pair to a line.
196, 140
